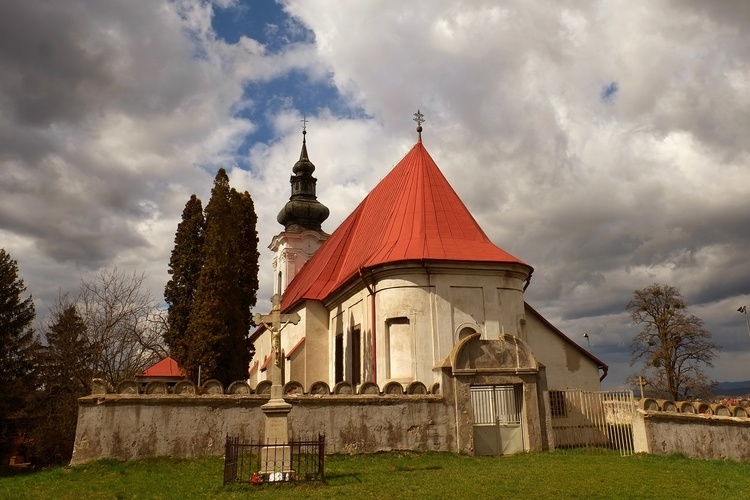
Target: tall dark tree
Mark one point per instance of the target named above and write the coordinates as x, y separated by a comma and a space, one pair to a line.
185, 267
247, 263
18, 352
219, 320
674, 347
66, 369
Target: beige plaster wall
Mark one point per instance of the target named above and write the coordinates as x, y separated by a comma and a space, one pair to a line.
312, 362
438, 301
316, 346
566, 366
291, 251
126, 427
405, 299
697, 436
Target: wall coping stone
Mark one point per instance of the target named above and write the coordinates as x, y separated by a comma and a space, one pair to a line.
694, 417
251, 399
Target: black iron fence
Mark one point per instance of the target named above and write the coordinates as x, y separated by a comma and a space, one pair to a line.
260, 462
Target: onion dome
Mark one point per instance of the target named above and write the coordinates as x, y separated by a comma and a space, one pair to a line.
303, 211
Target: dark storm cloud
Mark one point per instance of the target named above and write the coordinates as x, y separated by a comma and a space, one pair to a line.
52, 68
106, 117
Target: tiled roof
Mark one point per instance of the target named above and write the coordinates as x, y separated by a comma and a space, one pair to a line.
167, 367
413, 214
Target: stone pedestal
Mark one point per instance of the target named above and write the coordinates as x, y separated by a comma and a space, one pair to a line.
277, 421
276, 456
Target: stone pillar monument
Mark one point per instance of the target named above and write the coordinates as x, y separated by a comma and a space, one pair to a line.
276, 410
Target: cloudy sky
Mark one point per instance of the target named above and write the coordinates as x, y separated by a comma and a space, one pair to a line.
605, 143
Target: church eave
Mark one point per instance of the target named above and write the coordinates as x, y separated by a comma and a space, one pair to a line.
353, 283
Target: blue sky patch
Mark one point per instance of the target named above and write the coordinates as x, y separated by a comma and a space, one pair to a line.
262, 20
608, 92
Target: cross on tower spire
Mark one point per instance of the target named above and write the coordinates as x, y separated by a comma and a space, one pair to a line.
419, 118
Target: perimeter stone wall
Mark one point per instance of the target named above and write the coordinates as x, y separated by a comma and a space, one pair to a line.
126, 426
694, 435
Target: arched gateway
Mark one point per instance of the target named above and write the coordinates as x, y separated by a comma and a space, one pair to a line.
499, 401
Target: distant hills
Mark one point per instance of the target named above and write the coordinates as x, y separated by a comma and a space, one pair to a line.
733, 388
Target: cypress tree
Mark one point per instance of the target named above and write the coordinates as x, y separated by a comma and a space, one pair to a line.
247, 263
218, 325
184, 266
19, 350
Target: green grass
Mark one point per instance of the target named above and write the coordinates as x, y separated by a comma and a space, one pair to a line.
568, 474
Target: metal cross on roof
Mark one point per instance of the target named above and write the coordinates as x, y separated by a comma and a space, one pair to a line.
419, 118
304, 123
274, 324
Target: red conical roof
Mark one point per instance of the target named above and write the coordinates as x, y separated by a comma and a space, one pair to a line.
412, 214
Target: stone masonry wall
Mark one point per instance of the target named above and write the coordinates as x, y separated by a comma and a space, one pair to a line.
126, 426
694, 435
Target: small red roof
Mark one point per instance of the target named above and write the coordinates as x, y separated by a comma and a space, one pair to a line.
412, 214
167, 367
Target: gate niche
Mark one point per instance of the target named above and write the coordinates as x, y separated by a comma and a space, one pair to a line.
499, 400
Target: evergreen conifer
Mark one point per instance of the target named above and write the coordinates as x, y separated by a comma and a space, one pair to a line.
66, 370
185, 268
218, 323
19, 349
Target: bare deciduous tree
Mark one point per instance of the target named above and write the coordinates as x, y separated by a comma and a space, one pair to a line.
674, 347
124, 324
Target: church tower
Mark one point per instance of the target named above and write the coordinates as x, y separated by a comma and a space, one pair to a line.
301, 217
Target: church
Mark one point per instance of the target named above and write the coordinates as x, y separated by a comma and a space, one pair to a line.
405, 285
406, 329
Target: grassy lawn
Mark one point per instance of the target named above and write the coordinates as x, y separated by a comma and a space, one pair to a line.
570, 474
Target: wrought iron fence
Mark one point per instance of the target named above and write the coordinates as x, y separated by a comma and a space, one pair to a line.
260, 462
593, 419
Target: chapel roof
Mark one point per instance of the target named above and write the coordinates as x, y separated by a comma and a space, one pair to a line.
167, 367
413, 214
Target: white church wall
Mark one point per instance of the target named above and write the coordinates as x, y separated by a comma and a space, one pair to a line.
404, 332
467, 308
313, 325
292, 250
421, 311
262, 350
486, 300
566, 366
313, 364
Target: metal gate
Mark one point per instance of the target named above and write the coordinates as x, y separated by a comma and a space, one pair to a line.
593, 418
497, 419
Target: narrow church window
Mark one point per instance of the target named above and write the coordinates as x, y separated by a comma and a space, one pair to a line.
399, 349
557, 404
356, 356
339, 374
278, 284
